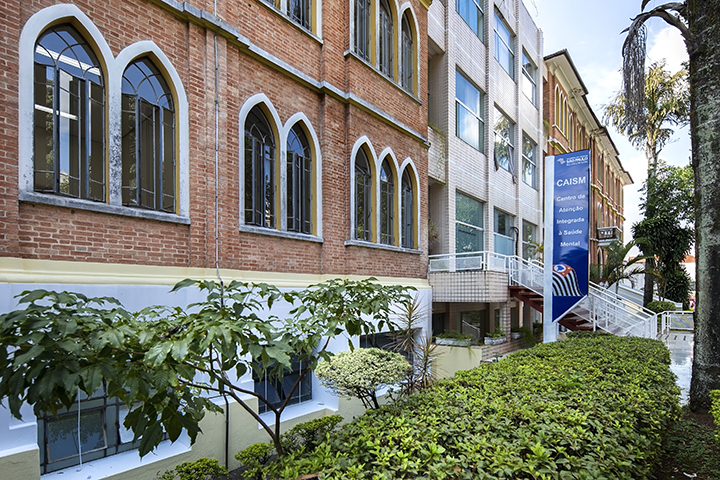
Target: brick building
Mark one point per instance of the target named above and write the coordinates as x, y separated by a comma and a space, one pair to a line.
147, 141
572, 125
485, 115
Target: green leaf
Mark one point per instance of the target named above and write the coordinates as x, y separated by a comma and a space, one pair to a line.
151, 438
184, 284
179, 349
157, 354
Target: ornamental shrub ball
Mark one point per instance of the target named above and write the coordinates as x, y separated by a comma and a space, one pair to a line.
361, 372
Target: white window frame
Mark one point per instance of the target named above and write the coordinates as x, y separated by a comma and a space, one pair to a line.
504, 45
529, 78
477, 114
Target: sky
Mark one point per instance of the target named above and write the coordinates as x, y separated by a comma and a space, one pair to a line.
590, 31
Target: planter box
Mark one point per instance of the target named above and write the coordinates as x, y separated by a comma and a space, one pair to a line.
515, 335
495, 341
452, 342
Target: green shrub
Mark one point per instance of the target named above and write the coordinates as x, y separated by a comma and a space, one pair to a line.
454, 335
200, 469
361, 372
592, 406
527, 337
659, 306
715, 411
309, 434
254, 458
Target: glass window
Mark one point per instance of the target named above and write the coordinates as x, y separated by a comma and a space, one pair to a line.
529, 167
504, 148
363, 197
148, 139
300, 12
504, 242
468, 224
299, 182
259, 170
385, 53
276, 390
529, 239
101, 432
407, 49
472, 13
362, 29
408, 201
387, 204
504, 45
469, 111
69, 116
529, 85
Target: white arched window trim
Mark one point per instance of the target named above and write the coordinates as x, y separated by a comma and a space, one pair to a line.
113, 71
281, 134
409, 165
415, 30
372, 158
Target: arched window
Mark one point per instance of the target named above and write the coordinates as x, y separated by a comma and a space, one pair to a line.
408, 200
69, 116
362, 29
299, 182
363, 197
385, 40
407, 49
387, 204
148, 138
259, 170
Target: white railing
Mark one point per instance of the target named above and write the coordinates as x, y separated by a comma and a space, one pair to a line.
677, 320
458, 262
605, 309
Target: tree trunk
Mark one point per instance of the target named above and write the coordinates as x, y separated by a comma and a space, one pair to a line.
704, 23
649, 287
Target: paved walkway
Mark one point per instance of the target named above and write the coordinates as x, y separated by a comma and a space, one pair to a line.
681, 356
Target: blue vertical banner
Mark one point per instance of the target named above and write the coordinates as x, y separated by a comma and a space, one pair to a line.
571, 230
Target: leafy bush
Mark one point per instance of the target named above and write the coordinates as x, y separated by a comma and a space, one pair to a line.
309, 434
303, 437
361, 372
659, 306
254, 458
592, 406
454, 335
200, 469
715, 411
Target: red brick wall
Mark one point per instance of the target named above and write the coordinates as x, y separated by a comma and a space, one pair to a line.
40, 231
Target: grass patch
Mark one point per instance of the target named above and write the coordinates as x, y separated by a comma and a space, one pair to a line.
690, 449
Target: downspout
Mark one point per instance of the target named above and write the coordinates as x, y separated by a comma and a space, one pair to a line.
217, 217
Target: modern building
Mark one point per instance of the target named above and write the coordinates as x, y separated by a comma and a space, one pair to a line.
572, 125
485, 175
148, 141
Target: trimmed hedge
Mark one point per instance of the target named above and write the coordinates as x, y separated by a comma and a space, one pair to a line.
590, 407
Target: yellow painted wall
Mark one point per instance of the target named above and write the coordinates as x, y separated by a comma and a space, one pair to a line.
453, 359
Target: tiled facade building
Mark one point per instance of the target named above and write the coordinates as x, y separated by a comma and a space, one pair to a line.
485, 129
147, 141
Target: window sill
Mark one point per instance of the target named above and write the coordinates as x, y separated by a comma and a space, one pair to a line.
279, 233
296, 411
381, 246
87, 205
350, 53
120, 463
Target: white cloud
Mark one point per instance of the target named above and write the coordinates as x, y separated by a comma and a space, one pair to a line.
668, 44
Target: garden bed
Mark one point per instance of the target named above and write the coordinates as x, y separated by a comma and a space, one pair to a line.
592, 406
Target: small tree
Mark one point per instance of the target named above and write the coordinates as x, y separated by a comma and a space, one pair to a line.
617, 266
361, 372
165, 362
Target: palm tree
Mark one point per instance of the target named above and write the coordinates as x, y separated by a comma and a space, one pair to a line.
666, 104
699, 24
617, 267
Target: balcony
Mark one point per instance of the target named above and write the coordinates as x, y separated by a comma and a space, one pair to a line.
475, 277
607, 235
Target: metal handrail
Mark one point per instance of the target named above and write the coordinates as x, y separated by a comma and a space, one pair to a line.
606, 310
